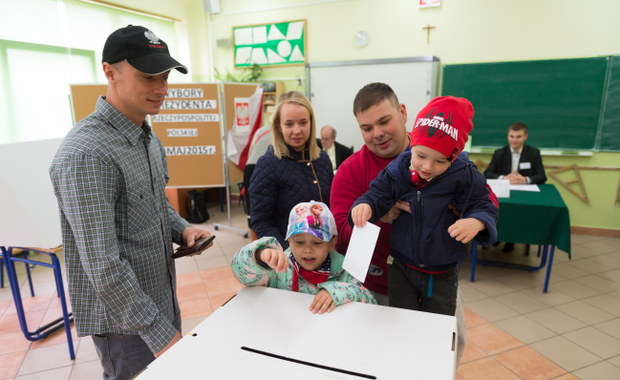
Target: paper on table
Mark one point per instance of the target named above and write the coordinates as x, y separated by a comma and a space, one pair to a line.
361, 248
501, 187
528, 187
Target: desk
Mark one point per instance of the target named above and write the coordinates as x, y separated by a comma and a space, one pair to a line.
533, 218
381, 341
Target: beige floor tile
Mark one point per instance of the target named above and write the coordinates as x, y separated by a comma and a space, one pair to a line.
599, 246
612, 275
552, 298
86, 370
62, 373
492, 310
492, 287
556, 320
568, 270
599, 283
602, 370
575, 289
595, 341
521, 302
592, 266
86, 350
525, 329
470, 293
611, 327
585, 312
615, 361
565, 353
606, 303
45, 358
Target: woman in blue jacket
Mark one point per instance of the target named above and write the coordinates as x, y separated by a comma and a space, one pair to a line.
293, 169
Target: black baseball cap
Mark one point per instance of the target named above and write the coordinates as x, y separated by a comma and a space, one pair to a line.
142, 49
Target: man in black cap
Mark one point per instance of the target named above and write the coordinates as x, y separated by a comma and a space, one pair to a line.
109, 177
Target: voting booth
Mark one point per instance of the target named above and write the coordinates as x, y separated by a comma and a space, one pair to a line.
266, 333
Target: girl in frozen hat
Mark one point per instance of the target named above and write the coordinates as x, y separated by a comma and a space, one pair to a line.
309, 265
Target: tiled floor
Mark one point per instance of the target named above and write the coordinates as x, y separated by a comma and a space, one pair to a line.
514, 331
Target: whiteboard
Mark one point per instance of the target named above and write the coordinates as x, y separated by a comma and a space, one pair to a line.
332, 86
29, 209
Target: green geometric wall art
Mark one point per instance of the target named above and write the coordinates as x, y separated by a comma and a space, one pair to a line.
281, 43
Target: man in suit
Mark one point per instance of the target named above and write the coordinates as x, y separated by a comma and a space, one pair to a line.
517, 162
336, 151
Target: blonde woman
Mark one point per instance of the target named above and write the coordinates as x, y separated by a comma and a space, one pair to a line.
293, 169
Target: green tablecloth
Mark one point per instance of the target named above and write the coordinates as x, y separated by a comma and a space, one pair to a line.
535, 218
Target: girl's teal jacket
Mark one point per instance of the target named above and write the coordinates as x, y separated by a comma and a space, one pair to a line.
342, 287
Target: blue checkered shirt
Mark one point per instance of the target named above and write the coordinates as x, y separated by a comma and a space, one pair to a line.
109, 177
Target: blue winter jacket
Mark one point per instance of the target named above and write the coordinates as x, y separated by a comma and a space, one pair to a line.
277, 185
421, 238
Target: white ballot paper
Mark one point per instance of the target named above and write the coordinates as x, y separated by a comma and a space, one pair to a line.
361, 247
501, 187
525, 187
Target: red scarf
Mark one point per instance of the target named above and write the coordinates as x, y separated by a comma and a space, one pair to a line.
316, 276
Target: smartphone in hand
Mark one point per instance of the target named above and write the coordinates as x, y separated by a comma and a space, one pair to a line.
198, 246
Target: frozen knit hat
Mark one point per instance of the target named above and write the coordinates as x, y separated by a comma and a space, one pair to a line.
444, 125
312, 218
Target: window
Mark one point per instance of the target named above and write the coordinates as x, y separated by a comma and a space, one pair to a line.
47, 45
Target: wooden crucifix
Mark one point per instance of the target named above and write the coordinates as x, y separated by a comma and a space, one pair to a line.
428, 28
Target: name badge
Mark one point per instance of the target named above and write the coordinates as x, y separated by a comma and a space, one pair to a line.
525, 165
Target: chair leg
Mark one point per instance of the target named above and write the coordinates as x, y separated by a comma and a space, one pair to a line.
25, 254
2, 272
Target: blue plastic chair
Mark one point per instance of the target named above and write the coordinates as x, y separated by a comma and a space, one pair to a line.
45, 330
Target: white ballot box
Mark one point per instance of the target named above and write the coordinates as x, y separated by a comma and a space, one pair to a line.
265, 333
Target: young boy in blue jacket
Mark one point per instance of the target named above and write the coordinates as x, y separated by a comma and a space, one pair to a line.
449, 204
309, 265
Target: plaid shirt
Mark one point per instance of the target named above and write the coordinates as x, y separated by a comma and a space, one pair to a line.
109, 177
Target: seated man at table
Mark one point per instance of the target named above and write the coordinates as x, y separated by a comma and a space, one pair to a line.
517, 162
309, 265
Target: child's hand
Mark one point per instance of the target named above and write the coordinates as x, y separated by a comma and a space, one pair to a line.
275, 258
360, 214
322, 302
464, 230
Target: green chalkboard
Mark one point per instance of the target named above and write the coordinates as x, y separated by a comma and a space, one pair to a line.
562, 101
610, 122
